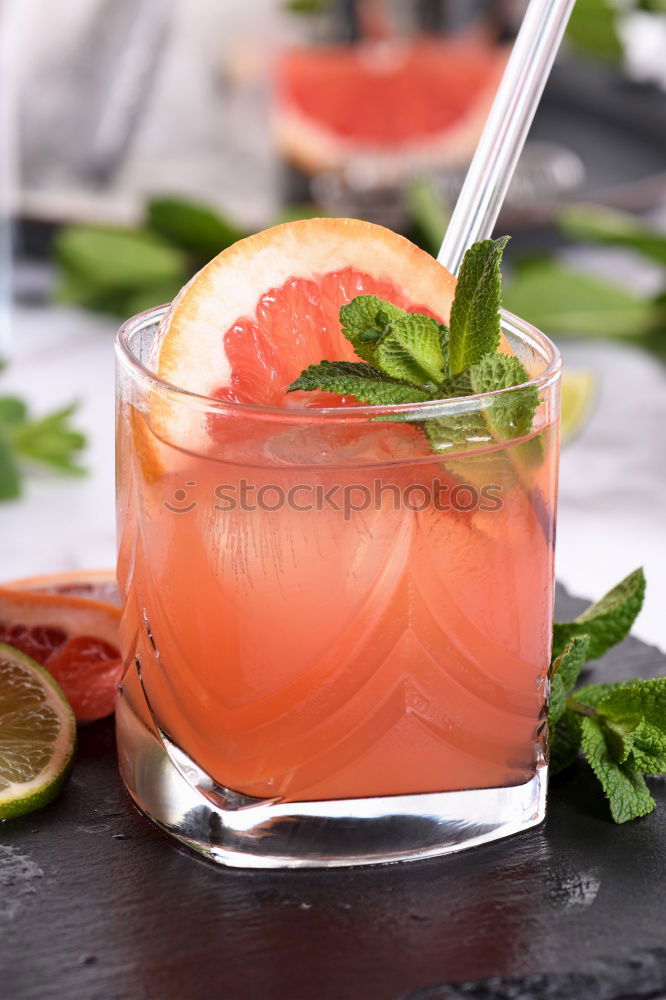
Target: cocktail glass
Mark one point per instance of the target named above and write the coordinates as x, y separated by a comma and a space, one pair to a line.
337, 632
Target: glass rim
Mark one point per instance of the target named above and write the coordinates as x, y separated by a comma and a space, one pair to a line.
432, 408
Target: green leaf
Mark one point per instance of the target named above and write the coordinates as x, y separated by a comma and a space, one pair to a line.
639, 698
475, 322
564, 742
608, 621
560, 300
592, 30
428, 213
623, 785
633, 739
598, 224
107, 260
10, 476
192, 226
306, 6
50, 440
592, 694
648, 748
12, 410
362, 381
568, 665
558, 700
511, 415
359, 321
508, 416
412, 350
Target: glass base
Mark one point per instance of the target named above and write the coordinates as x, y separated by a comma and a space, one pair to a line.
231, 829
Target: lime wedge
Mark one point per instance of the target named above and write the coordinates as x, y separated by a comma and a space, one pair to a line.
37, 735
579, 391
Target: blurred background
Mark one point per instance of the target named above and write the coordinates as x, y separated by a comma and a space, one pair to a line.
140, 137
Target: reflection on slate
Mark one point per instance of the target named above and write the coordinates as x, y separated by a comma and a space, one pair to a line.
106, 908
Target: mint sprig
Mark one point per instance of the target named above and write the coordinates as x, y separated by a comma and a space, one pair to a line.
25, 441
620, 728
410, 357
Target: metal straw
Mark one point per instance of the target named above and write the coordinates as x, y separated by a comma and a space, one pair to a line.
506, 128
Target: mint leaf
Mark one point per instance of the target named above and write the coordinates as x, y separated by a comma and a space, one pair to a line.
361, 326
639, 697
623, 785
192, 226
561, 300
636, 712
564, 725
511, 415
354, 378
558, 700
598, 224
12, 410
107, 259
564, 742
10, 476
648, 748
608, 621
592, 29
592, 694
413, 350
633, 714
568, 665
475, 320
50, 440
508, 416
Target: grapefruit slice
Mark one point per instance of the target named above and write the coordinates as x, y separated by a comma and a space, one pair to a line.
250, 321
74, 638
415, 103
98, 584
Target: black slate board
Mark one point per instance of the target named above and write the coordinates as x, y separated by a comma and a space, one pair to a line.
96, 904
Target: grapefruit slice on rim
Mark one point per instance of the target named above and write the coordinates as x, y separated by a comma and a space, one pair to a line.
421, 102
74, 638
267, 307
98, 584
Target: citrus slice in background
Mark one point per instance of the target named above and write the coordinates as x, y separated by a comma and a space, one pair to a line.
74, 638
418, 103
37, 735
98, 584
267, 307
579, 392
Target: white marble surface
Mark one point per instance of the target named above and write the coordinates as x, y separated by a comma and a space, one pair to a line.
613, 476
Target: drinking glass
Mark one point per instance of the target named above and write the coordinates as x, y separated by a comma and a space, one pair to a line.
337, 622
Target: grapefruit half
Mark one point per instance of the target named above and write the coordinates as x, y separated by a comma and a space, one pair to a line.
74, 638
410, 103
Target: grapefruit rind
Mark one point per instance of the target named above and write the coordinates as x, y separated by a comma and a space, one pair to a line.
88, 583
74, 615
20, 797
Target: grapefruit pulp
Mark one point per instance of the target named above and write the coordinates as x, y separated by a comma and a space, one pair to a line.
74, 638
